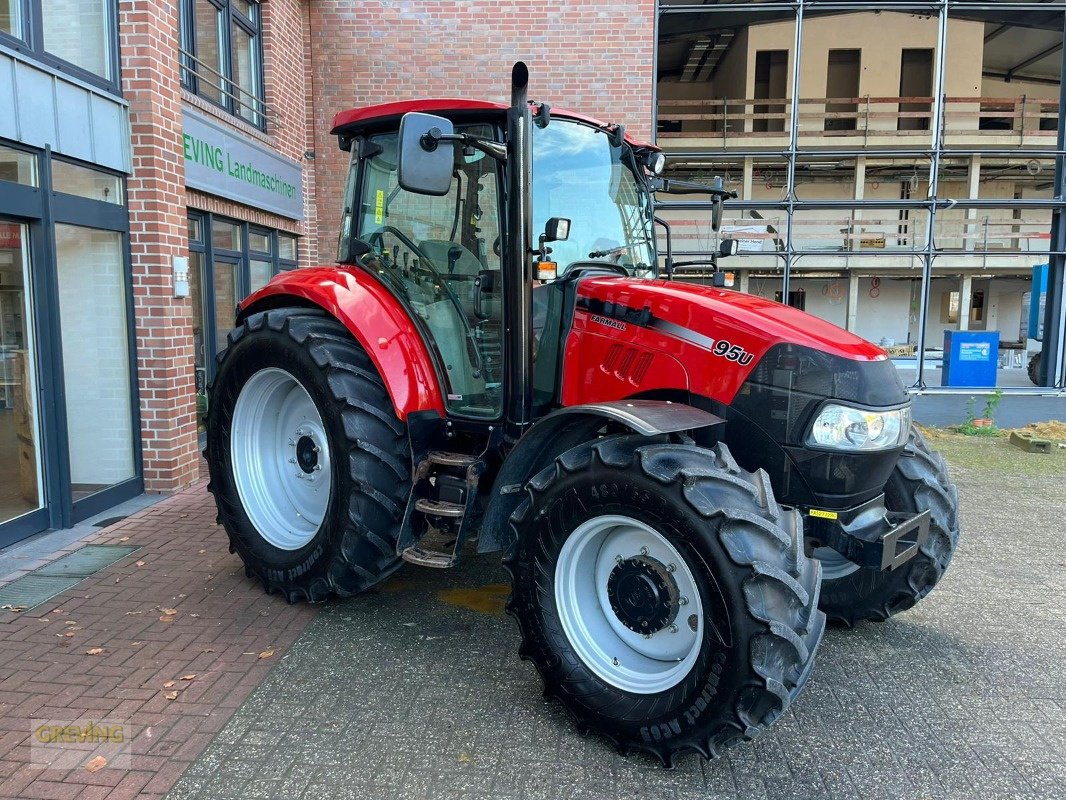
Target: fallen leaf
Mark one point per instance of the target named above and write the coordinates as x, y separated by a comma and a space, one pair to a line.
43, 619
170, 612
140, 563
124, 539
133, 613
136, 644
166, 619
68, 634
94, 651
464, 758
168, 684
171, 695
57, 611
266, 654
202, 552
70, 622
188, 677
207, 650
15, 609
195, 616
96, 764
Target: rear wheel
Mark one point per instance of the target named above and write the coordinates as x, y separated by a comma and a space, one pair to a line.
920, 482
663, 595
309, 464
1034, 369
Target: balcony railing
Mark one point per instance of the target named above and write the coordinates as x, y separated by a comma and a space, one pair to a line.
207, 82
855, 116
897, 234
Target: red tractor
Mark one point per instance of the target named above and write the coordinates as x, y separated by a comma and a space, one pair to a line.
686, 480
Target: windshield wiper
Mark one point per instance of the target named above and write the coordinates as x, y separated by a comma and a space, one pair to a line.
615, 250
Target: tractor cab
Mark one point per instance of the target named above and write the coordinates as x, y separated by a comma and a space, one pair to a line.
442, 252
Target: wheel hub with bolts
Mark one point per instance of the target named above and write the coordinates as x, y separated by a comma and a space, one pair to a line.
643, 594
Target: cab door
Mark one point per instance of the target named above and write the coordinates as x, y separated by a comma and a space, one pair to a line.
441, 257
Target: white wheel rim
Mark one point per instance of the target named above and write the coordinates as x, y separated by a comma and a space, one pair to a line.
624, 658
834, 565
281, 460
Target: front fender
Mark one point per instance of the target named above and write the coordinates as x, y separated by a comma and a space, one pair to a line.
566, 428
374, 317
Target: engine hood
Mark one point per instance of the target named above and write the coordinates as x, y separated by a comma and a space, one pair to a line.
719, 313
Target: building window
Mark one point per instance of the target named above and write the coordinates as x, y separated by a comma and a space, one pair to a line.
76, 36
222, 60
228, 260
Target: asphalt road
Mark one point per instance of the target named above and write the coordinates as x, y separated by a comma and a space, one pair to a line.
415, 691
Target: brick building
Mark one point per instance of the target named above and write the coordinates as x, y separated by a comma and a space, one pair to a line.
160, 159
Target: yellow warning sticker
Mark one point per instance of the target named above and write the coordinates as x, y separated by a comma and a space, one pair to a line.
379, 207
817, 512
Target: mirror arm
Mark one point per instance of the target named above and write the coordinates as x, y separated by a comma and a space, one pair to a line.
672, 186
497, 150
669, 246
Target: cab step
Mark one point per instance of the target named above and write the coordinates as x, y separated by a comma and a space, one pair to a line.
439, 508
461, 460
429, 558
442, 510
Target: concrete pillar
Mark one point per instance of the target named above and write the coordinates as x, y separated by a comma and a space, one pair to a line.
742, 280
965, 300
973, 183
745, 193
853, 301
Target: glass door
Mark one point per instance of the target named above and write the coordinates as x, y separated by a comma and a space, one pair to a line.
93, 329
225, 274
21, 483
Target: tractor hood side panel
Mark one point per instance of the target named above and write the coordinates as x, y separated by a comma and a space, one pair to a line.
718, 335
765, 367
374, 317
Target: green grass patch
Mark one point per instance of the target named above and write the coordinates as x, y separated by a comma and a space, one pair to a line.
995, 454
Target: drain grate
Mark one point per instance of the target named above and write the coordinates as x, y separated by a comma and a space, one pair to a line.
31, 590
105, 523
46, 582
84, 562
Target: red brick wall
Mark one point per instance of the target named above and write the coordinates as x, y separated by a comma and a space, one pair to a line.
158, 205
594, 56
150, 82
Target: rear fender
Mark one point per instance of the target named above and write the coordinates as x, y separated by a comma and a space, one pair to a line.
374, 317
566, 428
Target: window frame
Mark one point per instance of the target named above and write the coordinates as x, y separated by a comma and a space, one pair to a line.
31, 43
229, 90
205, 246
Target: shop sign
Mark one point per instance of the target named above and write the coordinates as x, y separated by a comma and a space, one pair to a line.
221, 162
10, 237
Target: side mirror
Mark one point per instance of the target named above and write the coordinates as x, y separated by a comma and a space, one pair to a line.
556, 229
426, 162
728, 247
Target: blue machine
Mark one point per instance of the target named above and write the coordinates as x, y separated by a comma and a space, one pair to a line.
1037, 302
970, 358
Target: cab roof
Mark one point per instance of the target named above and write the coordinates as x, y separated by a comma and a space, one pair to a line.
347, 121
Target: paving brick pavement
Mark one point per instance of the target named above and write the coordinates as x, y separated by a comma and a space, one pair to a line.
415, 691
221, 623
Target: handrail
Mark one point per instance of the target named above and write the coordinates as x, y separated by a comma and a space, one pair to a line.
194, 65
835, 116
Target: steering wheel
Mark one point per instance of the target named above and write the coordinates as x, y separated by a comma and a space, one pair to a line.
604, 265
377, 239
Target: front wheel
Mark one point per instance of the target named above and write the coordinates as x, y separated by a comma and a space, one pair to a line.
309, 464
663, 595
920, 482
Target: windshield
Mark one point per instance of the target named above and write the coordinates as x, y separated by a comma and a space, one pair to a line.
579, 175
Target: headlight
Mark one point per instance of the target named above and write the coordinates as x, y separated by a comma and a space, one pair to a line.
847, 428
656, 162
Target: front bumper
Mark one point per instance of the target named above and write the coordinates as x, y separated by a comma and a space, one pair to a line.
869, 534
